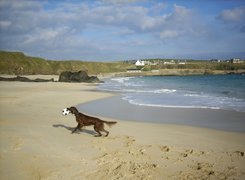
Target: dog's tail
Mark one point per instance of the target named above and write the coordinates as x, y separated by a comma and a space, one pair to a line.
110, 123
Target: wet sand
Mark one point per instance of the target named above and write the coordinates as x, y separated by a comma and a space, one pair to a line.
115, 107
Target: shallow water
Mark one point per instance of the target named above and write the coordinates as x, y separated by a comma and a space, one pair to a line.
117, 108
213, 91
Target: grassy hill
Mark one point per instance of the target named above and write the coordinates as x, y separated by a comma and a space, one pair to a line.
19, 63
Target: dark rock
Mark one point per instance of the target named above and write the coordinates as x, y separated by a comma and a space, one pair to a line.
43, 80
80, 76
25, 79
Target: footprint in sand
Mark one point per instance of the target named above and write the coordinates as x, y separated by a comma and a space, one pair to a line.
236, 153
187, 153
164, 148
129, 141
122, 169
137, 151
200, 170
202, 166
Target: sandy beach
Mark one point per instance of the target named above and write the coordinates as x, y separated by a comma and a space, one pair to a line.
36, 141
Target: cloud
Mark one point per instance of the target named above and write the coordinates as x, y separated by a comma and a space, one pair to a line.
15, 5
133, 18
118, 1
180, 14
232, 15
170, 34
181, 22
46, 35
103, 29
76, 27
5, 24
233, 18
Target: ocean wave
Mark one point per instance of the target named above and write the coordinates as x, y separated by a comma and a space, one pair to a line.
165, 91
137, 90
156, 91
180, 101
169, 106
161, 92
122, 79
196, 95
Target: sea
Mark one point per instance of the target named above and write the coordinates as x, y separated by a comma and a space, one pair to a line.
226, 92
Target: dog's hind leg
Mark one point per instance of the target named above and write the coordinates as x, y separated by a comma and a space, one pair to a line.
103, 129
107, 132
97, 129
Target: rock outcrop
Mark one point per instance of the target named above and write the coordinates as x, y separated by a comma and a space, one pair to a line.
80, 76
25, 79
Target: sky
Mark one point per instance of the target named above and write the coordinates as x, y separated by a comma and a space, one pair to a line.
110, 30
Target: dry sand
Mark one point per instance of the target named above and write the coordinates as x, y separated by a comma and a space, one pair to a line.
36, 141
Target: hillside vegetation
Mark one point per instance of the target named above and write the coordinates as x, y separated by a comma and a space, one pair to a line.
18, 63
206, 65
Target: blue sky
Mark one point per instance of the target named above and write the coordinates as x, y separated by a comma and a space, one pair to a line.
108, 30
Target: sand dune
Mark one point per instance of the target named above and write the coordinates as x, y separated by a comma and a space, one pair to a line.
36, 141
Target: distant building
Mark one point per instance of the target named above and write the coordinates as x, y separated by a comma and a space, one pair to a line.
181, 61
235, 60
139, 63
171, 62
215, 60
150, 63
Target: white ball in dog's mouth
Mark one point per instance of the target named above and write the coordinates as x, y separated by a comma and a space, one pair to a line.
65, 111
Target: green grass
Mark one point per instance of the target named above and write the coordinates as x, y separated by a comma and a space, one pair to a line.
18, 63
202, 65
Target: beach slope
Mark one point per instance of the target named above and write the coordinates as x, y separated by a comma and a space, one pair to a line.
36, 141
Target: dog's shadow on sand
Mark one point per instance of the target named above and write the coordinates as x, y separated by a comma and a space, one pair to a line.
79, 131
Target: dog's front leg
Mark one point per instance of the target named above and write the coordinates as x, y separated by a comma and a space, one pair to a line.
78, 126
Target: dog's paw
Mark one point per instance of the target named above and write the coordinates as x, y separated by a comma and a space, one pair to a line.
97, 135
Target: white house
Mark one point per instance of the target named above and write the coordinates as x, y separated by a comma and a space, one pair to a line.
171, 62
181, 61
235, 60
139, 63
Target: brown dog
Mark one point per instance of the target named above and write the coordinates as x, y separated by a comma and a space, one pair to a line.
84, 120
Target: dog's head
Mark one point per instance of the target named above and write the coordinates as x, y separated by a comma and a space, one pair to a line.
72, 110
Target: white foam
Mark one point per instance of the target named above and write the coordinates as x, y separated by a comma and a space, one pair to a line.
170, 106
122, 79
157, 91
165, 91
142, 92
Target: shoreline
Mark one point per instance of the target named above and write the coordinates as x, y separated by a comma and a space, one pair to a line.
36, 141
218, 119
172, 72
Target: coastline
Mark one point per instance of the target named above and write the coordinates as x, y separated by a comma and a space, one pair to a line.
226, 120
36, 141
171, 72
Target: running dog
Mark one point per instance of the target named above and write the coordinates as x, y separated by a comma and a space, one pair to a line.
85, 120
